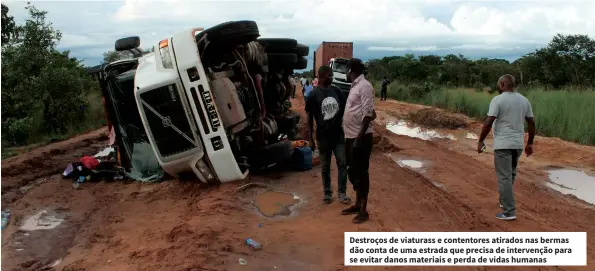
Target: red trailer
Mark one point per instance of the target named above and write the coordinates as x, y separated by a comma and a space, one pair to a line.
328, 50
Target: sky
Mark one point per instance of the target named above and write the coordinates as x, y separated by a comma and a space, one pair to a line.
378, 28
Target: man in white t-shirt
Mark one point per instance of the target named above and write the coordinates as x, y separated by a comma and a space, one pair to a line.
507, 114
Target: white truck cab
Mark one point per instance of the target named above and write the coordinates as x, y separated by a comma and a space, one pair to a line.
339, 66
215, 102
173, 96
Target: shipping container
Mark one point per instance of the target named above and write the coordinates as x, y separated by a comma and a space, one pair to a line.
328, 50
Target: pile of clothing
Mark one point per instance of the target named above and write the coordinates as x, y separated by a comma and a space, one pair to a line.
102, 166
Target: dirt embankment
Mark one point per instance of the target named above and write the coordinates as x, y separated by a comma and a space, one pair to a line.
190, 226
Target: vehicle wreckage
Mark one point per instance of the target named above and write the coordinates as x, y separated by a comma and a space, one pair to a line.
212, 103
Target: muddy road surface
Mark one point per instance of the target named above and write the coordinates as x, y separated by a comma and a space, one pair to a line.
418, 183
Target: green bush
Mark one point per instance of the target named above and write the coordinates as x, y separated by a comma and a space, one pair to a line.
45, 93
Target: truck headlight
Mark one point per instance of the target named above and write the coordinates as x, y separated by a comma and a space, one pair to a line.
165, 55
203, 168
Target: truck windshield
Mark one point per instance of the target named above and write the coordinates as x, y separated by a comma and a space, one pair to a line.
340, 67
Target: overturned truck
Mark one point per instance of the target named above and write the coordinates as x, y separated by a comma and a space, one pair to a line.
212, 103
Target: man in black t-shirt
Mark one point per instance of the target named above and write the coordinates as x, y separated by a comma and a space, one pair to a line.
326, 104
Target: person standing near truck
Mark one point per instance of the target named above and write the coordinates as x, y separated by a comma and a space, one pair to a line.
359, 112
507, 113
293, 85
303, 81
307, 89
384, 88
325, 105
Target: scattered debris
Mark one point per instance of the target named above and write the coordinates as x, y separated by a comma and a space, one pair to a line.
242, 261
107, 152
5, 218
253, 244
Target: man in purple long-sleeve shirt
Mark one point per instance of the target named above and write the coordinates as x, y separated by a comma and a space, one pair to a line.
359, 112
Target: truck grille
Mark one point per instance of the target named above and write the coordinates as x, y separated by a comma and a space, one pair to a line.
167, 120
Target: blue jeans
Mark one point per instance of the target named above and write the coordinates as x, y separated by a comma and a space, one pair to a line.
326, 149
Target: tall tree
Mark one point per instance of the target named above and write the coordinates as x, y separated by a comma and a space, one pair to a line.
42, 88
8, 25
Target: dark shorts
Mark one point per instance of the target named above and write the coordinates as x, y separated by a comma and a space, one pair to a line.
358, 163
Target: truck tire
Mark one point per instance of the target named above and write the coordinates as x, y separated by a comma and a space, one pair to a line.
272, 154
279, 45
288, 122
303, 50
282, 60
231, 34
301, 64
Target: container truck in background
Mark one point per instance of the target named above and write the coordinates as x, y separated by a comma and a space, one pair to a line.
335, 55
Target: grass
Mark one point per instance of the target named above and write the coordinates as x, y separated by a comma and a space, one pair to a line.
567, 114
94, 118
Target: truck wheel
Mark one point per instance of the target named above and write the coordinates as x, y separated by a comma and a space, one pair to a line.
272, 154
231, 34
301, 64
279, 45
303, 50
282, 60
288, 122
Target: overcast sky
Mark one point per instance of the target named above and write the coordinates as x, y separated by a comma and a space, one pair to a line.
504, 29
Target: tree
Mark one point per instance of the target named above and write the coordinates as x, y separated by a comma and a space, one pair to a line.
566, 60
42, 89
8, 25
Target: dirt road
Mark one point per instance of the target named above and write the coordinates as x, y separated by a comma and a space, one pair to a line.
190, 226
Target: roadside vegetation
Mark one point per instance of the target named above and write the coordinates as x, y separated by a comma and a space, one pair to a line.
559, 80
46, 94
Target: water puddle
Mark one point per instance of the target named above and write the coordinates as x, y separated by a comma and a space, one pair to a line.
573, 182
44, 220
407, 129
410, 163
472, 136
273, 203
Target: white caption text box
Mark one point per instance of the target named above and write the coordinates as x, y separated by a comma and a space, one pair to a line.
465, 248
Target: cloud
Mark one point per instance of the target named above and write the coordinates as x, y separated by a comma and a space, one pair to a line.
375, 26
